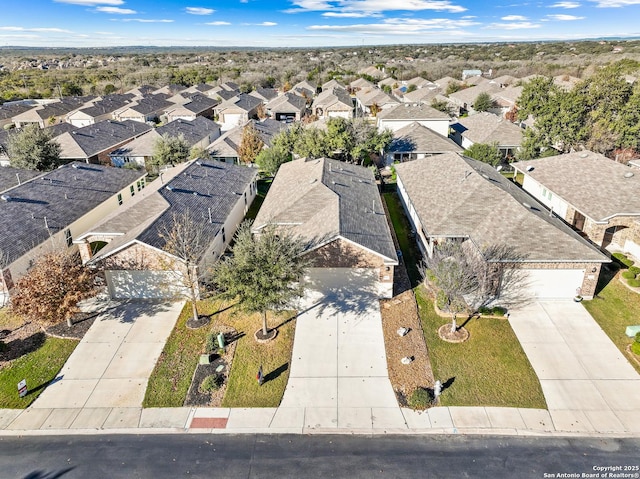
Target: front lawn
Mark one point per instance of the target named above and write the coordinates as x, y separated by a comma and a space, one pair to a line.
38, 368
489, 369
170, 380
410, 252
615, 308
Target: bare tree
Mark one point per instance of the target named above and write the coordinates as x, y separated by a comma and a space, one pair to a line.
185, 238
4, 262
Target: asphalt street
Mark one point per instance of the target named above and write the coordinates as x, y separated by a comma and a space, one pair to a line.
319, 456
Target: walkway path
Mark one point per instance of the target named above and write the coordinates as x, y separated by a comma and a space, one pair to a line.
588, 384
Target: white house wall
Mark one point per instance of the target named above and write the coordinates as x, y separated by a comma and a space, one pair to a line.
544, 196
632, 248
413, 218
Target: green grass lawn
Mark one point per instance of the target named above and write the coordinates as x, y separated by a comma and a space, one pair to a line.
490, 368
615, 308
263, 188
410, 252
170, 380
38, 368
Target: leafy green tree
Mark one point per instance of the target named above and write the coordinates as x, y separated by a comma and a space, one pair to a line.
33, 148
109, 88
250, 145
70, 89
411, 88
264, 272
199, 152
441, 105
483, 102
487, 153
270, 159
170, 150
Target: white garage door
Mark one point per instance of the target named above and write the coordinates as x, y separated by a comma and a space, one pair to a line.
143, 284
553, 283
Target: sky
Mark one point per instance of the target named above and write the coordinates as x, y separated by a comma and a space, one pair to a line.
309, 23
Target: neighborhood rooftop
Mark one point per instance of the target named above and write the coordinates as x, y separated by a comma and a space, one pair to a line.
595, 185
61, 196
455, 196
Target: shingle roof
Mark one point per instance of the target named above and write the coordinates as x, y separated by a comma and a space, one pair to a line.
199, 103
9, 111
592, 183
286, 103
8, 178
93, 139
62, 196
151, 104
204, 189
408, 111
486, 127
456, 196
420, 139
469, 95
321, 200
265, 94
371, 96
107, 105
334, 99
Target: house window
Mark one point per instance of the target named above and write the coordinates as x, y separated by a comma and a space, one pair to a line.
142, 183
119, 199
68, 237
544, 192
245, 198
138, 185
132, 190
224, 237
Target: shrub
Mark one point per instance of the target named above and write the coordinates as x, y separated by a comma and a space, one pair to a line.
634, 283
499, 311
622, 258
635, 348
441, 300
637, 338
420, 399
635, 270
484, 310
3, 346
210, 383
212, 342
628, 274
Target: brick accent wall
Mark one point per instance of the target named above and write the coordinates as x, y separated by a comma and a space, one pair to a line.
343, 254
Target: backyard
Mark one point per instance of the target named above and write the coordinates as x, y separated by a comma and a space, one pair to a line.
171, 378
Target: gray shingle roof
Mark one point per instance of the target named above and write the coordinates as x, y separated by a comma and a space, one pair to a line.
62, 196
408, 111
8, 178
93, 139
324, 199
108, 104
218, 186
9, 111
486, 127
420, 139
592, 183
456, 196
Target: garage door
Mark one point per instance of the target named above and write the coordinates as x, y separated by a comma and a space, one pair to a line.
553, 283
143, 284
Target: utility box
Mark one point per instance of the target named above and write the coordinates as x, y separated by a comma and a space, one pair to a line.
631, 331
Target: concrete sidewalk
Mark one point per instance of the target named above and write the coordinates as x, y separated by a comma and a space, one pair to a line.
588, 384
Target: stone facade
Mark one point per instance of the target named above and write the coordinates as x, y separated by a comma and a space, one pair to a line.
340, 253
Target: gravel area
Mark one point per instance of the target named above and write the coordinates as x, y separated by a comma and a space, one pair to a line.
401, 312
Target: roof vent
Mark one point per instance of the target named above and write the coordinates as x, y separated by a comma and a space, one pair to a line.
199, 163
628, 174
195, 193
5, 198
530, 168
74, 166
169, 187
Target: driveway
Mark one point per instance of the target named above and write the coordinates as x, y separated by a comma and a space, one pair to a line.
588, 384
111, 365
339, 360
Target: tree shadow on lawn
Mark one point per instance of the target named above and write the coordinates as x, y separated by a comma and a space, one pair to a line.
20, 347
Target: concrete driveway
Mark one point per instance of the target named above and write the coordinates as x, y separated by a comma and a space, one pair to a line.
110, 367
339, 362
588, 384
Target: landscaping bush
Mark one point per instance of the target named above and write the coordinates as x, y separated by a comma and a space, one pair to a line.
210, 383
635, 270
420, 399
635, 348
212, 342
634, 283
622, 258
3, 346
628, 275
495, 311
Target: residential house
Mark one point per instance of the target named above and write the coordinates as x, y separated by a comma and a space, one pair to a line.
487, 128
451, 197
305, 89
444, 82
94, 143
55, 131
50, 210
195, 106
10, 177
416, 141
597, 196
331, 84
504, 81
333, 103
220, 94
147, 109
199, 88
336, 208
288, 108
359, 84
199, 132
214, 195
9, 111
372, 101
372, 71
237, 111
419, 82
474, 80
51, 113
389, 81
141, 91
226, 147
465, 98
99, 111
421, 95
470, 73
506, 99
406, 114
169, 90
566, 82
265, 95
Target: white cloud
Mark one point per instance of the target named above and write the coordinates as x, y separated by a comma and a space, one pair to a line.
23, 36
514, 25
116, 10
218, 23
104, 33
400, 26
199, 10
514, 18
22, 29
91, 3
375, 6
616, 3
267, 24
564, 18
146, 20
566, 5
350, 14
